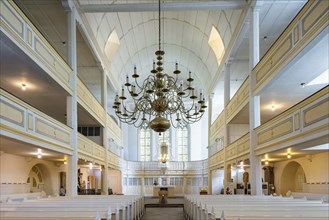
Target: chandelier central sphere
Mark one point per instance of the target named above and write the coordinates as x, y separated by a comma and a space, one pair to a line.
160, 100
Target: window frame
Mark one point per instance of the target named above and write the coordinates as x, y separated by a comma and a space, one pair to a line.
140, 145
188, 144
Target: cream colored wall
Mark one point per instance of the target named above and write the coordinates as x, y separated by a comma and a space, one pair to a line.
316, 170
114, 180
15, 170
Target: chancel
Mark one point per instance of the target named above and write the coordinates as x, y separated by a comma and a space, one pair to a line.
164, 109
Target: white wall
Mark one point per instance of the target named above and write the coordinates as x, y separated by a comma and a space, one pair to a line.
15, 170
199, 141
114, 180
217, 181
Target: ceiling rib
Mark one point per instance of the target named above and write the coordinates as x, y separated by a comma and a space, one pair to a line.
170, 6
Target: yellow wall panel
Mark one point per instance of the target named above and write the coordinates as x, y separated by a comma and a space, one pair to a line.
282, 128
11, 113
314, 14
316, 112
11, 19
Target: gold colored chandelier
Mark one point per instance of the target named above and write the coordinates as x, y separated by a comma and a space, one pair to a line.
161, 100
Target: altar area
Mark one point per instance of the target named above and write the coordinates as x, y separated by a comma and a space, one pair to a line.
169, 189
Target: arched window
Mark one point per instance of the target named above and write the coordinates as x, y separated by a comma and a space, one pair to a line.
183, 145
145, 144
216, 43
112, 45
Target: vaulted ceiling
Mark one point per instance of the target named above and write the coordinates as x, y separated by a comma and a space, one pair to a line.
184, 36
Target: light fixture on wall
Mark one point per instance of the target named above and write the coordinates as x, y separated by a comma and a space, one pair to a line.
266, 162
288, 155
158, 102
39, 155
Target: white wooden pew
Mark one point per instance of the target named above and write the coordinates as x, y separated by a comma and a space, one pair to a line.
253, 207
86, 207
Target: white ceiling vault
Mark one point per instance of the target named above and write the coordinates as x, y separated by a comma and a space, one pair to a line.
185, 34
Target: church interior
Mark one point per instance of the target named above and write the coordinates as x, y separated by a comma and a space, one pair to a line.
111, 106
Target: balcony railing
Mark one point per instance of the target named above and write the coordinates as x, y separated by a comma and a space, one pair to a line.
18, 119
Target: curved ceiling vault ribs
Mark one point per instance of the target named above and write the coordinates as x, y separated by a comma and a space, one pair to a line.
185, 24
190, 49
144, 69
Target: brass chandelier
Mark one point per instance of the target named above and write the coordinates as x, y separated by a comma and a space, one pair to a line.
161, 100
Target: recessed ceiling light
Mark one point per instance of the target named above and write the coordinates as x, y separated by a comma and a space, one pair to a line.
23, 86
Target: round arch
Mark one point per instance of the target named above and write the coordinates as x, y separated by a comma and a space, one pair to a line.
292, 178
40, 178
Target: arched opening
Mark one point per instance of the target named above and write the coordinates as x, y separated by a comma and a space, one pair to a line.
216, 43
112, 45
292, 178
39, 179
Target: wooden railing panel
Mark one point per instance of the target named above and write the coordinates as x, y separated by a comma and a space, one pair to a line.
238, 101
90, 151
307, 117
90, 103
114, 130
305, 27
217, 128
21, 119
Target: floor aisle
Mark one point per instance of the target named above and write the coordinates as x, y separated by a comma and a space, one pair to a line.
164, 214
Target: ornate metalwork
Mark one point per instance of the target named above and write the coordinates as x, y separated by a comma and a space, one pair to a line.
160, 101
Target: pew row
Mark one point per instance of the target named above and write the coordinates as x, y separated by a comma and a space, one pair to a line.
235, 207
78, 207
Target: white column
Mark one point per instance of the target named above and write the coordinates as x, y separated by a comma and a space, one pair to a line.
105, 182
184, 185
211, 96
71, 111
227, 88
227, 84
254, 105
143, 186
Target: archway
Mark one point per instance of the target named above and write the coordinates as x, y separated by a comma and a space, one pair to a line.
39, 178
292, 178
